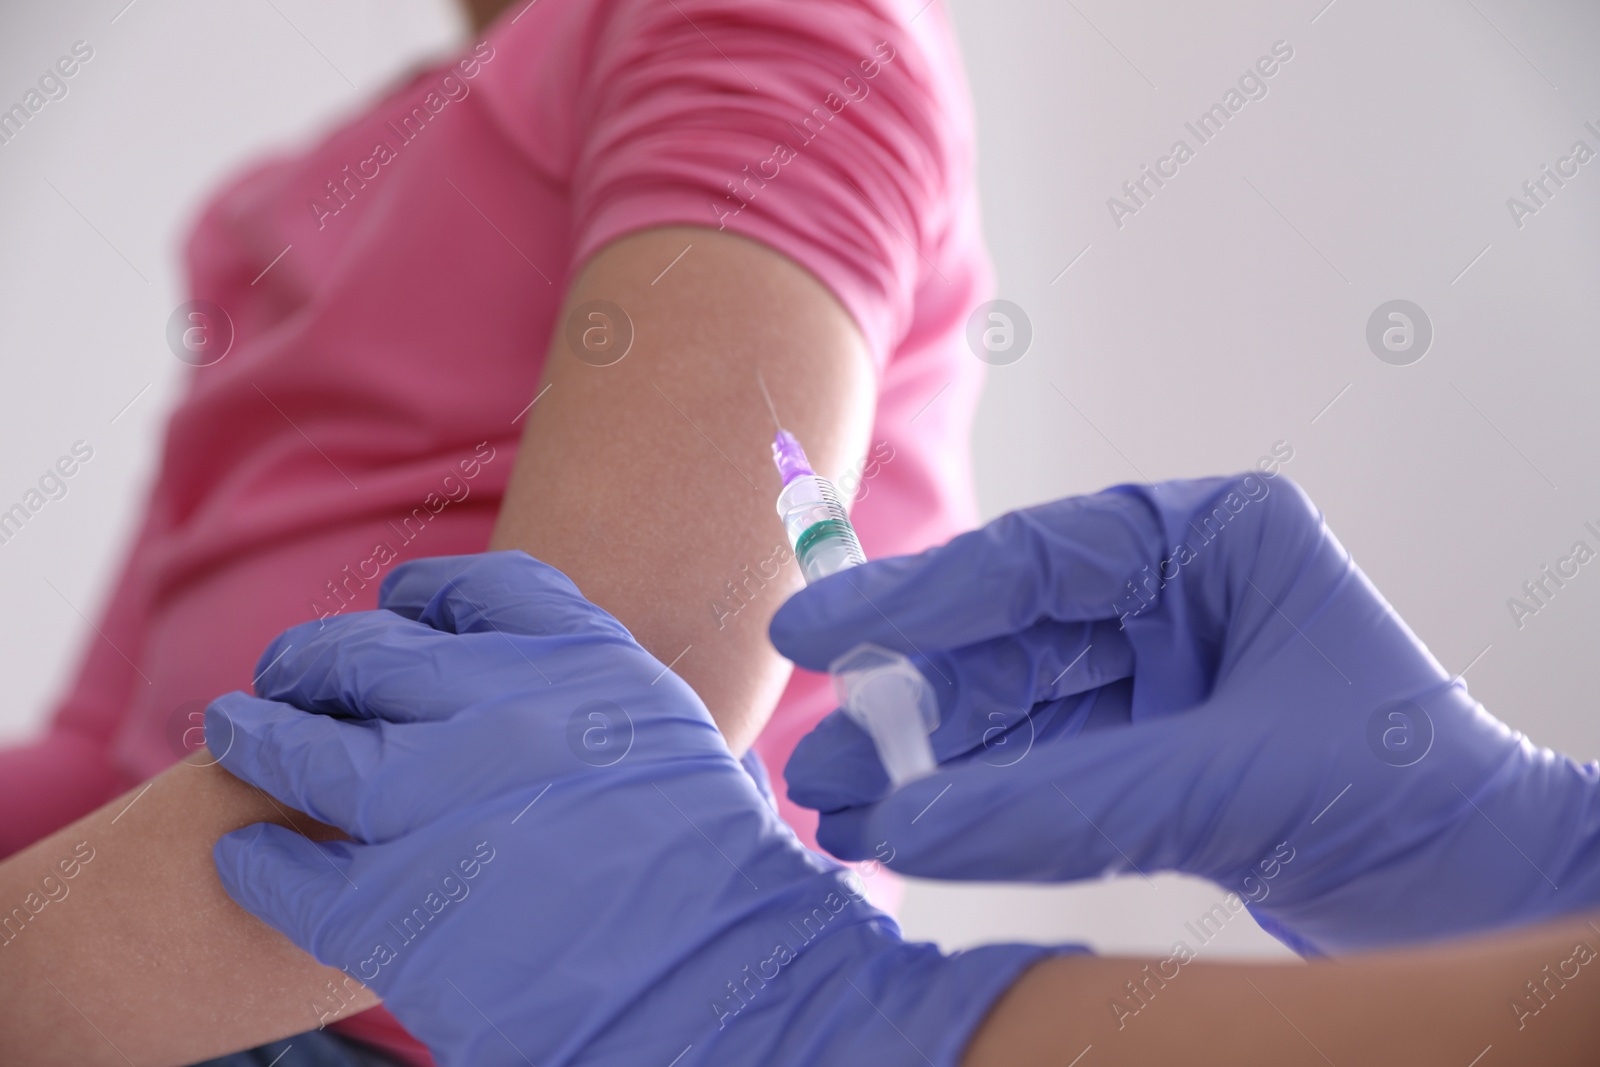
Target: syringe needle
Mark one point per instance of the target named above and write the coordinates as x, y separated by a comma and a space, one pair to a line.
762, 382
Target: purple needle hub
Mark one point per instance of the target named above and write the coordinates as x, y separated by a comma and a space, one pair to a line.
790, 457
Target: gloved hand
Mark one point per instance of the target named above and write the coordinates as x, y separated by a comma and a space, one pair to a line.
555, 858
1192, 676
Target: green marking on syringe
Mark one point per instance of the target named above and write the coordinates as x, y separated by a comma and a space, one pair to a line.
827, 529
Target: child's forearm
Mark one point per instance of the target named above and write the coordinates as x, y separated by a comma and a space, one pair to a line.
118, 944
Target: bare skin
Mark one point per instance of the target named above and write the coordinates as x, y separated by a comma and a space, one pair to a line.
1449, 1006
649, 482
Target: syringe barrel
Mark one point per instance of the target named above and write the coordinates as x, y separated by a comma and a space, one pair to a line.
819, 528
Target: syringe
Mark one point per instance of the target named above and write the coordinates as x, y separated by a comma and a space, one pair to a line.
813, 514
878, 688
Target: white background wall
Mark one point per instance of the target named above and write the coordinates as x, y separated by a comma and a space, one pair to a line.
1224, 316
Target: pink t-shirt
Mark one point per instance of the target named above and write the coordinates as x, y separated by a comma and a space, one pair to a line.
393, 288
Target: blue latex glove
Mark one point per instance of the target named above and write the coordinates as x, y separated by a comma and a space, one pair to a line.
1246, 708
555, 858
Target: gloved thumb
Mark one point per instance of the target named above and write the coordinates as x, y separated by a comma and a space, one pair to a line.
835, 766
289, 882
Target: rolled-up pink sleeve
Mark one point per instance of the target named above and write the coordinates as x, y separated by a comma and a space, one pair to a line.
822, 130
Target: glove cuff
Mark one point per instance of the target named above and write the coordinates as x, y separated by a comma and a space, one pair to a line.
913, 1005
858, 993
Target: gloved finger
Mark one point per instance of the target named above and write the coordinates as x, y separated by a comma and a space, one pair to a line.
1106, 556
994, 684
291, 883
1071, 560
378, 780
1110, 802
313, 763
836, 765
376, 664
506, 592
